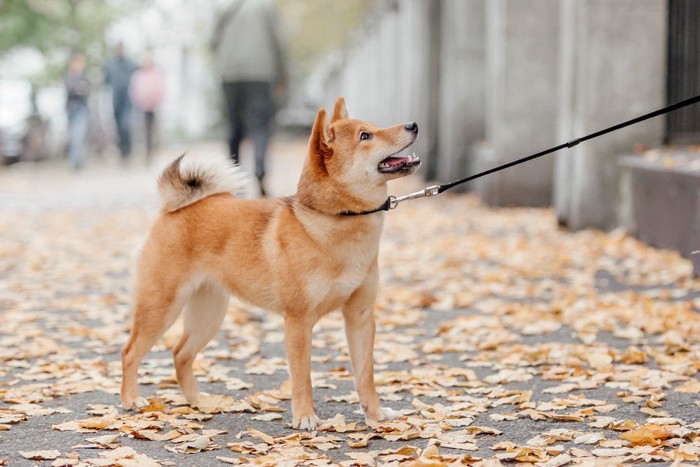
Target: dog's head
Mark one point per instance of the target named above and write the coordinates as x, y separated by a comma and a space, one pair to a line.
358, 153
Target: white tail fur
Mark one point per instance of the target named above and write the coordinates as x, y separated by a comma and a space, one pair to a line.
189, 179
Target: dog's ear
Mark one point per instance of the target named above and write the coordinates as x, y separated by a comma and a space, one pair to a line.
318, 144
340, 112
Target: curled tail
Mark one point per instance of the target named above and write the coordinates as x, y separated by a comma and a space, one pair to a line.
189, 179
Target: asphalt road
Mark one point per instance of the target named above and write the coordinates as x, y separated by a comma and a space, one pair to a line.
65, 253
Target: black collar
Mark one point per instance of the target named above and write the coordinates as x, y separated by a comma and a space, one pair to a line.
385, 206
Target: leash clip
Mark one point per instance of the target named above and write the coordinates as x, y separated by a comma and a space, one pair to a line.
425, 192
432, 190
392, 202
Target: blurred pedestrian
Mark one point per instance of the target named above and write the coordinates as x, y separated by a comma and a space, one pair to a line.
77, 92
118, 71
251, 59
146, 90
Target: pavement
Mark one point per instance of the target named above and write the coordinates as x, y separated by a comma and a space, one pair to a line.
501, 339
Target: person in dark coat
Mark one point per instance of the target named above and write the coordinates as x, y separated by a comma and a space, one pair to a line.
118, 71
251, 58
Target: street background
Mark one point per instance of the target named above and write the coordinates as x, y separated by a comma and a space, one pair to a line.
546, 315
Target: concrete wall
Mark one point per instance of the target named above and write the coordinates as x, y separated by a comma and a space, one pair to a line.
522, 63
490, 81
462, 82
419, 60
387, 72
612, 69
661, 205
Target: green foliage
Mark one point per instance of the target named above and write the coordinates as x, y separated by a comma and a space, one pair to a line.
21, 24
54, 28
319, 26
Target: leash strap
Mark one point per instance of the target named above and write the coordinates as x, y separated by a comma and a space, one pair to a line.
393, 201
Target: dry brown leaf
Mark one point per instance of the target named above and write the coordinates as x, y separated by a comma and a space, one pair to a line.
95, 423
154, 405
611, 452
600, 361
65, 462
210, 404
692, 386
590, 438
338, 424
686, 453
357, 440
649, 434
106, 440
40, 455
654, 413
260, 435
622, 425
267, 417
633, 356
231, 460
500, 417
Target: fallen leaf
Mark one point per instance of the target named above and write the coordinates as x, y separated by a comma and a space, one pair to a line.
650, 434
40, 455
260, 435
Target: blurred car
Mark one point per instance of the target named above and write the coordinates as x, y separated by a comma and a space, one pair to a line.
11, 143
22, 130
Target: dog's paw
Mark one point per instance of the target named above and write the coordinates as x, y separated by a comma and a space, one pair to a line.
383, 414
306, 422
134, 404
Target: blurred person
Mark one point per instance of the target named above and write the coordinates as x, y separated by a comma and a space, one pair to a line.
251, 59
77, 92
118, 71
146, 91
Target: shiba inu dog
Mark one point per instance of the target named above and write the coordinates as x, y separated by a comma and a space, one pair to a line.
302, 256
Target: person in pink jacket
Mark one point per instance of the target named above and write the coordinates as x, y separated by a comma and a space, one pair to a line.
146, 90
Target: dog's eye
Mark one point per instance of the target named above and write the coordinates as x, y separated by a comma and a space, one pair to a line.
365, 136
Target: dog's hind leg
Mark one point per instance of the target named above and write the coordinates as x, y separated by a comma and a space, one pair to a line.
203, 315
154, 313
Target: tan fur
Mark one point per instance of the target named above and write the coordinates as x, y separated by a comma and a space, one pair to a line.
294, 256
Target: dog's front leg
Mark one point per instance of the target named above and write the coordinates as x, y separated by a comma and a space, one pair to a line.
297, 337
359, 330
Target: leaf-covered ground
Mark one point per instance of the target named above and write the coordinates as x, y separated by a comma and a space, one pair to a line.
501, 339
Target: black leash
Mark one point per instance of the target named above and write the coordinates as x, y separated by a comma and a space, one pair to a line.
393, 201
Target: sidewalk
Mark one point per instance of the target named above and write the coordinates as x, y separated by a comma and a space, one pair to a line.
500, 339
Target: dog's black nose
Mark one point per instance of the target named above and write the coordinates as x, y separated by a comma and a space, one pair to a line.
412, 127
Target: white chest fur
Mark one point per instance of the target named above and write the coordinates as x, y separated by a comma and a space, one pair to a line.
347, 266
327, 292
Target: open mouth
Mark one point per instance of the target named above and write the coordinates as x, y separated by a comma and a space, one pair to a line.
395, 163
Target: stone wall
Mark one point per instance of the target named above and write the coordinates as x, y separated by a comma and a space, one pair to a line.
489, 81
660, 205
522, 64
613, 68
385, 75
462, 82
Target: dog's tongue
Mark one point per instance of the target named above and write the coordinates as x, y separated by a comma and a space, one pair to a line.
393, 161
